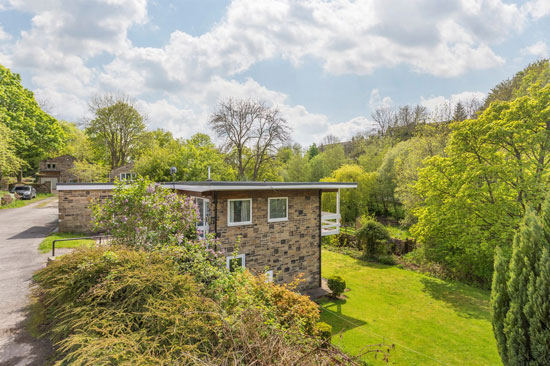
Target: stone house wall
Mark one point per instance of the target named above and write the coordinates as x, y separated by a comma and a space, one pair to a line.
288, 248
75, 212
63, 164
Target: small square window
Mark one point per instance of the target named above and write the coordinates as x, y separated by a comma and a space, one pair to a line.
277, 209
239, 212
53, 166
49, 166
235, 262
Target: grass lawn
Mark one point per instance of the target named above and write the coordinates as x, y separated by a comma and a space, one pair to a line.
430, 321
46, 244
21, 203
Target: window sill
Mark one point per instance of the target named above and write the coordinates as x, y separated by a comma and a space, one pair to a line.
277, 220
240, 223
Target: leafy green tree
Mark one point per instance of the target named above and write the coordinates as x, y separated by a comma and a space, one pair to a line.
519, 298
371, 235
312, 152
460, 113
76, 143
35, 134
116, 128
323, 164
90, 172
353, 202
475, 197
10, 164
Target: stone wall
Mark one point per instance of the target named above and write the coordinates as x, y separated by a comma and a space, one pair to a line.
63, 165
75, 213
288, 248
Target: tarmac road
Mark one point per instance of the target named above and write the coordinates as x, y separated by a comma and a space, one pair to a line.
21, 230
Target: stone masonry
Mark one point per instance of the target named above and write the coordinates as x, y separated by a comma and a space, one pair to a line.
288, 248
58, 167
75, 212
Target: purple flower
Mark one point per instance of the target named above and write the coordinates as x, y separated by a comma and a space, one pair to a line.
150, 189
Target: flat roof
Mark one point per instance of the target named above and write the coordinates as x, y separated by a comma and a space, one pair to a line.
207, 186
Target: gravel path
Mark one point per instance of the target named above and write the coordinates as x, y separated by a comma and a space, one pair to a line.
21, 230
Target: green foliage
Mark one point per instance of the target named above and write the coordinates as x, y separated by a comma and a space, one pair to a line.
106, 305
371, 234
519, 298
353, 202
337, 285
90, 172
10, 164
312, 151
34, 134
76, 143
323, 164
191, 158
144, 214
475, 196
535, 76
324, 331
116, 129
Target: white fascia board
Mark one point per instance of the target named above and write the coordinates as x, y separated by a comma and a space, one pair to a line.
207, 188
84, 187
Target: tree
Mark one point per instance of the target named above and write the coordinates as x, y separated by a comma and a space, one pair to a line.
116, 127
312, 151
34, 134
90, 172
77, 143
353, 202
252, 132
474, 198
371, 234
460, 113
191, 158
519, 298
10, 164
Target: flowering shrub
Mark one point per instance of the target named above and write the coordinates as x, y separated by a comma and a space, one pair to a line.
146, 215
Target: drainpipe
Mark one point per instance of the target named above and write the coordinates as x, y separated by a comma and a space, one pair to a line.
216, 214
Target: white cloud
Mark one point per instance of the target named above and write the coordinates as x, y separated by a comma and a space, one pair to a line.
3, 35
376, 101
346, 130
435, 102
537, 8
539, 49
180, 83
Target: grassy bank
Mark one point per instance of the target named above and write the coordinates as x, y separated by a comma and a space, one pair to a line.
430, 321
46, 244
21, 203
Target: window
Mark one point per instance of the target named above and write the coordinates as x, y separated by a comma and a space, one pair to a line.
235, 262
269, 276
277, 209
53, 166
49, 166
239, 212
126, 176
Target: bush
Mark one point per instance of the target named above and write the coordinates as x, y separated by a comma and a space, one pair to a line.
337, 285
386, 259
372, 234
324, 331
121, 306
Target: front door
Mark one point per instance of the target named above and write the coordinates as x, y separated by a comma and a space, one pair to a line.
204, 213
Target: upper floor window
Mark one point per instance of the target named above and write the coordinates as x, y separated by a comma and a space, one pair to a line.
239, 212
126, 176
277, 209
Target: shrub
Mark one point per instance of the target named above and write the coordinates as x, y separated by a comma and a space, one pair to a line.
337, 285
386, 259
146, 215
324, 331
371, 234
125, 307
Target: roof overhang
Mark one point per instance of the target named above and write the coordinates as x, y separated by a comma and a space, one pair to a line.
201, 187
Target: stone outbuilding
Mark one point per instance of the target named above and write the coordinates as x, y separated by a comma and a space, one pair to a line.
125, 172
278, 226
56, 170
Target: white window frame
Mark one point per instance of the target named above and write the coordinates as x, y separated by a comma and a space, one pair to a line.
269, 276
229, 258
240, 223
269, 219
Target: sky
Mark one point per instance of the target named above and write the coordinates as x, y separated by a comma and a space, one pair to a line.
327, 65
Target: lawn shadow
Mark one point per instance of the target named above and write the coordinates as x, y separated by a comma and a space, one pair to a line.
467, 303
340, 323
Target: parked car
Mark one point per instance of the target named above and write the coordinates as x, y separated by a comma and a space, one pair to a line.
26, 192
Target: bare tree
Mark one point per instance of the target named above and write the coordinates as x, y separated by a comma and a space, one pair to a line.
385, 118
330, 140
117, 125
252, 131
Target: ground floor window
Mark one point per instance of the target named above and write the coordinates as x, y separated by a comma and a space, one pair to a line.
277, 208
269, 276
235, 262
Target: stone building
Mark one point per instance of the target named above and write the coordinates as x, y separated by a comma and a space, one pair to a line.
125, 172
278, 226
56, 170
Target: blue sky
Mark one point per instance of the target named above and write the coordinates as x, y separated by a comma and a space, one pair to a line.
326, 64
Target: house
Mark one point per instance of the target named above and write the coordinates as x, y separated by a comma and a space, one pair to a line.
277, 226
125, 172
56, 170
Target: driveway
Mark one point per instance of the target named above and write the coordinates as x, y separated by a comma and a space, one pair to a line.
21, 230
